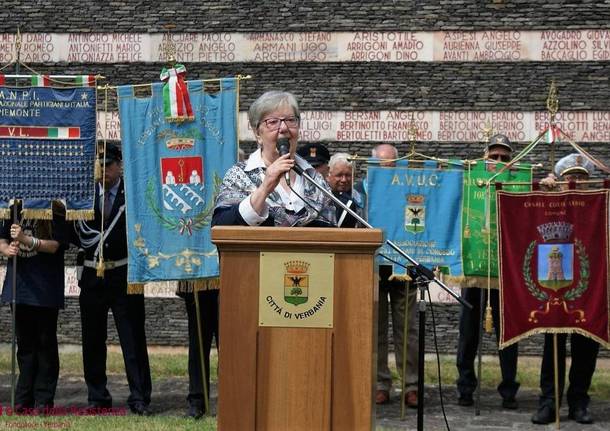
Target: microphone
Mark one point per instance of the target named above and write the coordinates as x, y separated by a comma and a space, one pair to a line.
283, 147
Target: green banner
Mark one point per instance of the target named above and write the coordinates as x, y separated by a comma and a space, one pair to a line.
479, 218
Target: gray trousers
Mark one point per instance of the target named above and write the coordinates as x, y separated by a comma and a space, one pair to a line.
393, 295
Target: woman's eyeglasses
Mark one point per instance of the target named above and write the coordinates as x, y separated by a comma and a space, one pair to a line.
275, 123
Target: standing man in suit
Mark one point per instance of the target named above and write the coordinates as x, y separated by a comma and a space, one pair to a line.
395, 295
104, 287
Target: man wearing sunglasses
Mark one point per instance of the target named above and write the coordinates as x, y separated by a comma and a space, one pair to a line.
499, 149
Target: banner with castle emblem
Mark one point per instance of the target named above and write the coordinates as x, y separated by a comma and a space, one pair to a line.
419, 210
173, 170
479, 220
47, 150
553, 255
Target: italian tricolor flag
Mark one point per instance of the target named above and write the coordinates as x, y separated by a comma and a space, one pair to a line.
550, 134
63, 132
40, 81
176, 99
85, 80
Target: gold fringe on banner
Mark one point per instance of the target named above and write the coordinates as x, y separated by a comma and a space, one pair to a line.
37, 213
5, 213
72, 215
135, 289
198, 285
206, 284
566, 330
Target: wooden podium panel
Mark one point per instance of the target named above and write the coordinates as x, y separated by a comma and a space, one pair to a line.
294, 379
273, 378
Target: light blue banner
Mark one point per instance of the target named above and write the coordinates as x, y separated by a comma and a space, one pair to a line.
173, 171
419, 209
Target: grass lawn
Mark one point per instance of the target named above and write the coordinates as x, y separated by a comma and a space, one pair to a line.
166, 364
528, 374
124, 423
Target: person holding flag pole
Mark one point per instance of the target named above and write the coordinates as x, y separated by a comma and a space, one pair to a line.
498, 149
36, 293
571, 168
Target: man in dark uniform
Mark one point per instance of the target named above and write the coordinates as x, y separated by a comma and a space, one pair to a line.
316, 155
498, 149
103, 287
584, 350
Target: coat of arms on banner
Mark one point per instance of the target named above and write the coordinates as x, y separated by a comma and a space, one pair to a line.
415, 214
296, 282
555, 270
183, 187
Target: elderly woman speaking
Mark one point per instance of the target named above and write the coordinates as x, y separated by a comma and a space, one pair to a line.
256, 192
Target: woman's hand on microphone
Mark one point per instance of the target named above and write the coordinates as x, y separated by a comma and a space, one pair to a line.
273, 175
275, 171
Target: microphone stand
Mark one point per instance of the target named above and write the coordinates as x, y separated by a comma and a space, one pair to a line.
422, 275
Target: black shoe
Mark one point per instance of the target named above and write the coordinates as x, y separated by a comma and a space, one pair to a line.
98, 409
194, 411
23, 409
544, 415
465, 400
510, 403
581, 415
45, 409
139, 409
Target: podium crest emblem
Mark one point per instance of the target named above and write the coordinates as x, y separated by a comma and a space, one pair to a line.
296, 282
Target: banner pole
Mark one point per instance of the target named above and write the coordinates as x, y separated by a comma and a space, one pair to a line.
14, 317
555, 366
405, 331
14, 272
206, 399
477, 405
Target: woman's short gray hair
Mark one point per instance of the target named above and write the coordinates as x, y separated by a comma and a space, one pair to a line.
338, 158
270, 101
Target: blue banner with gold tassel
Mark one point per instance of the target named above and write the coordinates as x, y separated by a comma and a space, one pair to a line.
47, 150
419, 209
173, 171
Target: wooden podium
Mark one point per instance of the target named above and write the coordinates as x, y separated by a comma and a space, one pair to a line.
285, 379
